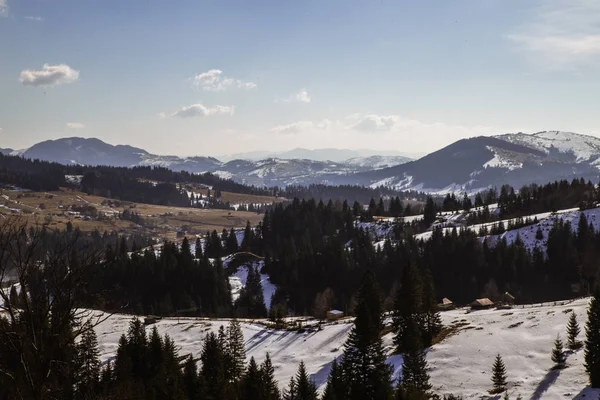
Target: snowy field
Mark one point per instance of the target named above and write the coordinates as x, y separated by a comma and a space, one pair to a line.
461, 364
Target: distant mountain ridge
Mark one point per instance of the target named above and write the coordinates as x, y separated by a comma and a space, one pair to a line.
467, 165
470, 165
264, 172
327, 154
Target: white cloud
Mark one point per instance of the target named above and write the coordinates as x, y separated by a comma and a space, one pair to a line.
561, 34
75, 125
199, 110
372, 123
32, 18
49, 75
293, 128
302, 97
380, 131
214, 81
3, 8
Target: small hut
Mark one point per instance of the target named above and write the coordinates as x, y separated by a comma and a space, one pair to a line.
333, 315
508, 299
446, 304
482, 304
151, 319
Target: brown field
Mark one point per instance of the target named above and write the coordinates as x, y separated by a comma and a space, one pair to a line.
162, 222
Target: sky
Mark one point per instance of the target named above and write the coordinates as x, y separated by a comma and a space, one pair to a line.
220, 77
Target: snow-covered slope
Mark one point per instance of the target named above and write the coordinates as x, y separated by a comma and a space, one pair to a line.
582, 147
527, 233
377, 162
460, 364
237, 281
473, 164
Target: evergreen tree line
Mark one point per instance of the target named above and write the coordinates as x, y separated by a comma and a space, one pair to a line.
42, 175
527, 200
316, 256
165, 281
350, 193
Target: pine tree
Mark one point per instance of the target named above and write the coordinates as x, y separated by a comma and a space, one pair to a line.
301, 386
592, 340
251, 382
291, 392
432, 323
558, 355
364, 361
213, 371
235, 351
407, 306
572, 332
88, 368
498, 376
270, 389
430, 211
190, 379
415, 379
231, 244
336, 388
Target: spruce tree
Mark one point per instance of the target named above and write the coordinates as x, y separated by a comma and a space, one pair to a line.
364, 366
572, 332
432, 323
231, 244
88, 368
415, 379
213, 371
408, 305
190, 379
291, 392
270, 389
251, 382
235, 351
301, 386
498, 376
558, 355
592, 340
336, 388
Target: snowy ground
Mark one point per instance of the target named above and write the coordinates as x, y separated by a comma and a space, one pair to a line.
238, 282
527, 233
461, 364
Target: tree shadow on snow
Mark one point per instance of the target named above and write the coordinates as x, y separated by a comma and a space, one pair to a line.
545, 384
320, 377
587, 394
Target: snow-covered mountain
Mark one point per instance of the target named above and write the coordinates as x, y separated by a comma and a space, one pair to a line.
5, 151
268, 171
281, 172
477, 163
466, 165
377, 162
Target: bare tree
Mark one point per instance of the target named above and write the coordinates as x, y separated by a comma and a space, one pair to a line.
37, 335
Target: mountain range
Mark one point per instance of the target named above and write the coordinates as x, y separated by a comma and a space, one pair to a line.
467, 165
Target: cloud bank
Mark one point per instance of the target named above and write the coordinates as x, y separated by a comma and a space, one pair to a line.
214, 81
199, 110
561, 34
49, 75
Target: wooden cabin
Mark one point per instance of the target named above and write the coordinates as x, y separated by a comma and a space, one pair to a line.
446, 304
333, 315
482, 304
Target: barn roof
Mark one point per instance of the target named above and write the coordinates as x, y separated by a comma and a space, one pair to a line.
483, 302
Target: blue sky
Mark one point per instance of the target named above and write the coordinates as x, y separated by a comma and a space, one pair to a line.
219, 77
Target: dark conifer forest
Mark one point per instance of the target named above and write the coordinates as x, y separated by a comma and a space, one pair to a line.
319, 255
